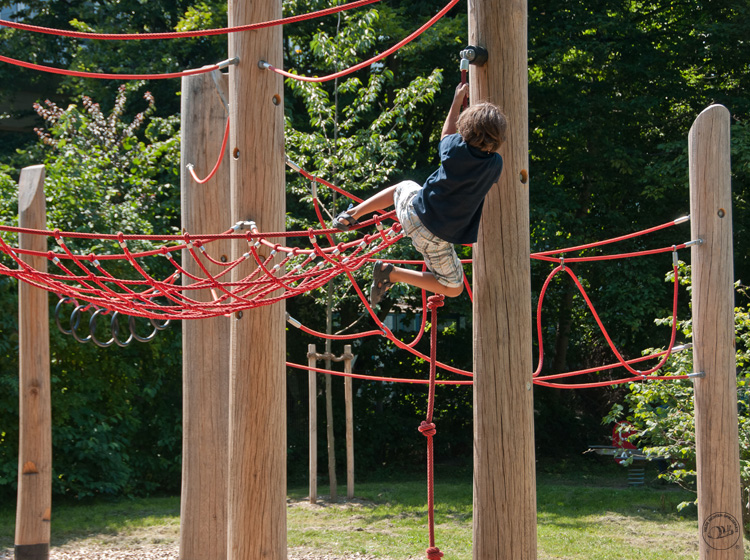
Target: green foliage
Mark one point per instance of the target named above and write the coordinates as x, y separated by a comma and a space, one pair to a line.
99, 158
662, 412
116, 412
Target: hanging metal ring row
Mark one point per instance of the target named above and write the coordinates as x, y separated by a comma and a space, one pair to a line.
75, 321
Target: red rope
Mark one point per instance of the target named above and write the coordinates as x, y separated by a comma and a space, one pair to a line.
218, 161
107, 76
372, 60
262, 286
375, 377
427, 427
608, 241
184, 34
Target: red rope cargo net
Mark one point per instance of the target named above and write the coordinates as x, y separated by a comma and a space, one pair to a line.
276, 271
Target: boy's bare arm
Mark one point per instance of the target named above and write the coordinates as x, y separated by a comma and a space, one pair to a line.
449, 127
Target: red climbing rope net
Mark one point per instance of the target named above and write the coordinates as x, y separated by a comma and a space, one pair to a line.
267, 271
275, 271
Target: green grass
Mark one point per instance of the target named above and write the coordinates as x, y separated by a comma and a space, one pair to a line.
581, 515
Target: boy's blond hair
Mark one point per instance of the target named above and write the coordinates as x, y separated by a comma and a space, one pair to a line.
483, 126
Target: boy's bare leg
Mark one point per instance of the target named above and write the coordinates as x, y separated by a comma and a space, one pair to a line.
424, 280
379, 201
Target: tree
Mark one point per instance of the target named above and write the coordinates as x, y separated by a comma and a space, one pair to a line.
662, 412
613, 90
116, 412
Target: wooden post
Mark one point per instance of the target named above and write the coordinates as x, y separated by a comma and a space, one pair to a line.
349, 407
205, 344
504, 478
331, 446
257, 399
34, 505
312, 414
716, 423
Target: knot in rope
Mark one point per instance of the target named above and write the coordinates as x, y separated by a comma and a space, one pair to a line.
433, 302
427, 429
433, 553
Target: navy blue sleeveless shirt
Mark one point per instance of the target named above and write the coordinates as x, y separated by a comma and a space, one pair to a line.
451, 200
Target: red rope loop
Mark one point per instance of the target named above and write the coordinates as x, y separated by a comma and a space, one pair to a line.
433, 302
433, 553
427, 429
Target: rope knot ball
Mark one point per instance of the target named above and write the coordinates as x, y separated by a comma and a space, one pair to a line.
433, 553
427, 429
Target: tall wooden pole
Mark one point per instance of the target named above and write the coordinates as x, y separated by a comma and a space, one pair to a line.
349, 409
312, 415
34, 505
716, 423
257, 422
504, 478
206, 208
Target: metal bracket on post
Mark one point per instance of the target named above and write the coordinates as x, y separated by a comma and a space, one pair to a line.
475, 55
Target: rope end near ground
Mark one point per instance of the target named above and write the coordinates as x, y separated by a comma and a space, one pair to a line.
433, 553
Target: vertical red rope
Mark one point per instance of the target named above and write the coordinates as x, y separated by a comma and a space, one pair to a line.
428, 427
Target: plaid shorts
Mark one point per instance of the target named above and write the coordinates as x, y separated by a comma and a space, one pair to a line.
439, 255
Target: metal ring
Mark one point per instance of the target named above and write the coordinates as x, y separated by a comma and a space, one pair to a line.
92, 329
75, 320
116, 332
149, 338
66, 299
157, 326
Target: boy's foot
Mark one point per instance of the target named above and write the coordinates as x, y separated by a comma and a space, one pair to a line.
381, 281
345, 221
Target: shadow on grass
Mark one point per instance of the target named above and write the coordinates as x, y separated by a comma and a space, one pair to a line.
568, 499
75, 520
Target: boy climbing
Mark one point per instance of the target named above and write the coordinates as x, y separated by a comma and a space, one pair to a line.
447, 208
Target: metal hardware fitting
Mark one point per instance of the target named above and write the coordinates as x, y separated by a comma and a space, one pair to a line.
242, 225
682, 347
475, 55
291, 320
699, 375
683, 219
694, 242
263, 65
291, 164
234, 61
